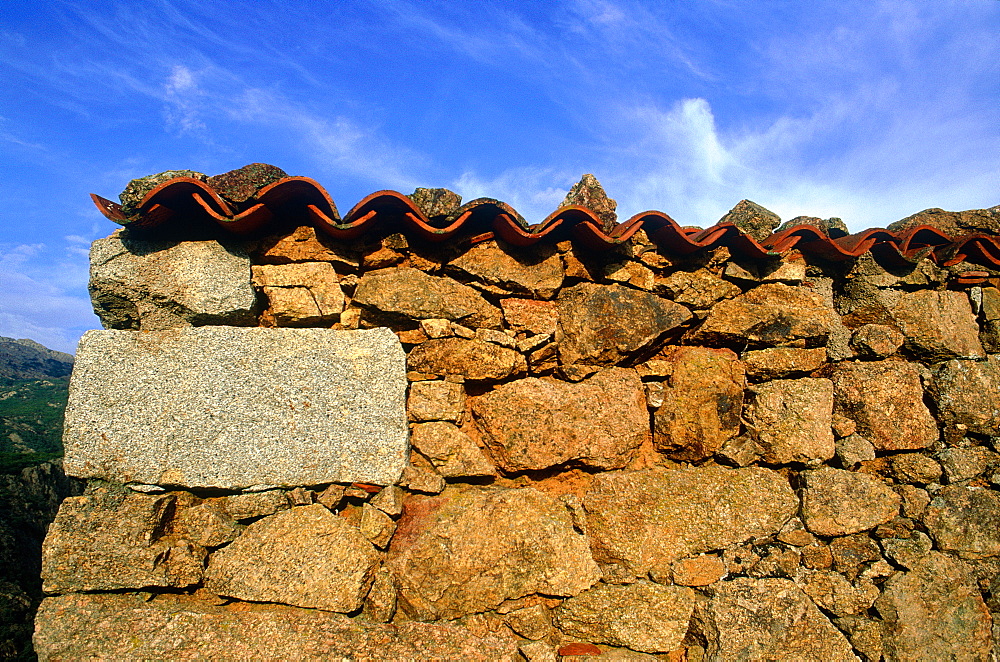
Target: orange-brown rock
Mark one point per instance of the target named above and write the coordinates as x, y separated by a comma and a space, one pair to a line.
538, 423
790, 419
699, 570
538, 317
452, 452
965, 520
770, 314
837, 502
409, 293
885, 399
968, 394
602, 324
536, 271
472, 359
777, 362
937, 324
702, 403
303, 244
471, 548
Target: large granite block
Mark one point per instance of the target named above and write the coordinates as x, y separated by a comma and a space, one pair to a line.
231, 407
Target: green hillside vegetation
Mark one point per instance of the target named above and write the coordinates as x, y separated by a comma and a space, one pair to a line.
31, 421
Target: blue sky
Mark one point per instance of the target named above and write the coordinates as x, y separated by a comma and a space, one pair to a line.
865, 110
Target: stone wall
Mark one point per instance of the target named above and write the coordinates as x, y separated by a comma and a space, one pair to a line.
392, 449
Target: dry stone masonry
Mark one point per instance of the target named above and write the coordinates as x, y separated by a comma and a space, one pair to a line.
387, 447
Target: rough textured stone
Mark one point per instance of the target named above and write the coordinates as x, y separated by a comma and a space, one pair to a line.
934, 612
536, 271
376, 526
837, 502
178, 627
452, 452
768, 619
606, 323
777, 362
702, 403
589, 193
885, 399
117, 539
301, 293
306, 557
435, 202
876, 340
232, 408
915, 468
907, 552
697, 289
137, 189
645, 617
699, 570
648, 519
937, 324
470, 549
635, 274
537, 423
303, 244
411, 294
831, 591
965, 520
389, 500
790, 419
153, 285
752, 219
865, 634
968, 394
538, 317
436, 400
531, 622
770, 314
207, 524
854, 449
966, 463
243, 183
954, 223
422, 479
255, 504
472, 359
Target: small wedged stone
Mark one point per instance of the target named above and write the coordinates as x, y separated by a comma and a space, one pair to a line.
645, 617
251, 505
770, 314
125, 627
698, 290
885, 399
300, 293
436, 400
536, 423
473, 359
241, 184
702, 403
305, 557
469, 549
645, 520
409, 293
538, 317
231, 407
965, 520
967, 463
603, 324
915, 468
968, 394
934, 612
537, 271
768, 619
876, 340
589, 193
777, 362
837, 502
151, 285
207, 524
790, 419
452, 452
117, 539
304, 244
752, 219
831, 591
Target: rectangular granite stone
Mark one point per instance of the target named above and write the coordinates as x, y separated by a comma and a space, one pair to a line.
232, 407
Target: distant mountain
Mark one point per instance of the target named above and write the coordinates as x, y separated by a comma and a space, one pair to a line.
26, 359
34, 385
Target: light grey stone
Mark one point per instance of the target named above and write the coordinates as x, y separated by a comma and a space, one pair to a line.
231, 407
153, 285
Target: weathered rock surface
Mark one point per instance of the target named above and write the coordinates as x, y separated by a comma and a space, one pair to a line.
645, 617
154, 285
537, 423
117, 539
966, 463
137, 188
589, 193
537, 272
698, 570
697, 289
934, 612
937, 324
411, 294
965, 520
255, 504
831, 591
776, 362
648, 519
452, 452
436, 201
243, 183
885, 399
113, 626
306, 557
752, 219
702, 403
538, 317
837, 502
472, 359
605, 323
768, 619
770, 314
470, 549
915, 468
304, 244
436, 400
234, 407
207, 524
300, 293
968, 393
876, 340
790, 419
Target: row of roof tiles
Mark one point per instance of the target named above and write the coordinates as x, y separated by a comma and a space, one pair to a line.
186, 196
